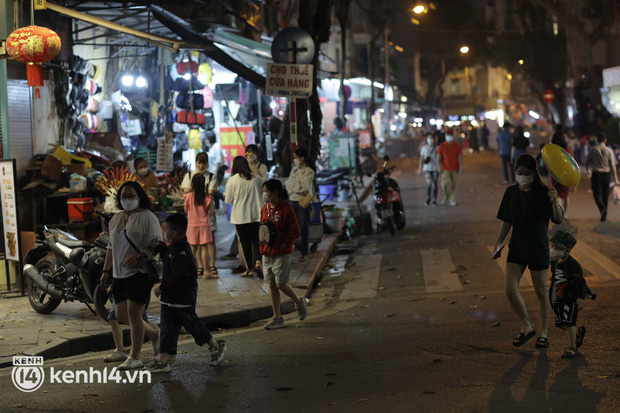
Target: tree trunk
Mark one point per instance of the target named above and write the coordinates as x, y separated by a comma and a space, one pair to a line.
315, 18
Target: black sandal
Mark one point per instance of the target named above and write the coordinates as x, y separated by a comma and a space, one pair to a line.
200, 271
521, 339
542, 342
213, 273
581, 331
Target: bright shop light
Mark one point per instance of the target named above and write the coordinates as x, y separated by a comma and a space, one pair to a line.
534, 114
273, 105
432, 121
127, 80
141, 81
393, 127
526, 134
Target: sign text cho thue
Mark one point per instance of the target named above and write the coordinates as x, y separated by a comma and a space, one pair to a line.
289, 80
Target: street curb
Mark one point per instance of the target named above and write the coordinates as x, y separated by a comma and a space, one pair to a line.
66, 347
318, 270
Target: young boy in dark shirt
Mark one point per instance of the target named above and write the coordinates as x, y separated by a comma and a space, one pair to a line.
568, 290
178, 298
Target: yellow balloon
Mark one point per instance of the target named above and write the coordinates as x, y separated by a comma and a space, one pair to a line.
561, 165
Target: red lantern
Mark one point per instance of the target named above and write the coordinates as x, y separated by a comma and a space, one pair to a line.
548, 96
33, 45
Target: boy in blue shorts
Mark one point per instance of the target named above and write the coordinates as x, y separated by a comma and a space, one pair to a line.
177, 293
568, 290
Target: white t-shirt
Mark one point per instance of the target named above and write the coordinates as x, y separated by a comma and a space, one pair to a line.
262, 169
246, 198
210, 185
215, 157
300, 180
431, 151
142, 228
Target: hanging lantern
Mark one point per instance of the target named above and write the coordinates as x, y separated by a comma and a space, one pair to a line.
33, 45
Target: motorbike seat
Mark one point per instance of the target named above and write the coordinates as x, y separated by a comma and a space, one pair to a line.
74, 243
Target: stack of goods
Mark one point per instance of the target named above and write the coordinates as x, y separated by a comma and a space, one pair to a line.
172, 184
109, 185
82, 107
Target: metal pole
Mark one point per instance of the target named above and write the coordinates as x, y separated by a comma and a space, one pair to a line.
388, 110
292, 59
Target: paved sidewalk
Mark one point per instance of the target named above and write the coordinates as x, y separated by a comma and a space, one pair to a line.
231, 301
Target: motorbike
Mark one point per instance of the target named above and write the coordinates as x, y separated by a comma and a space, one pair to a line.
388, 200
62, 267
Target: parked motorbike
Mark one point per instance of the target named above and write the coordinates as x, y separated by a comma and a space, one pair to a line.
62, 267
388, 201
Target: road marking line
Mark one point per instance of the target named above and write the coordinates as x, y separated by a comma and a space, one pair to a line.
602, 267
526, 280
439, 272
366, 283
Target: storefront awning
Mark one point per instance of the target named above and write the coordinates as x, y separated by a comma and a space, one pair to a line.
181, 28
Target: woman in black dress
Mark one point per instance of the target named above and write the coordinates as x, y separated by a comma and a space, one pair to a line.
527, 208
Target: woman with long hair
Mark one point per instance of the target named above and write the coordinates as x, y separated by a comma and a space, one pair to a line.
243, 191
527, 208
135, 226
198, 207
277, 253
299, 184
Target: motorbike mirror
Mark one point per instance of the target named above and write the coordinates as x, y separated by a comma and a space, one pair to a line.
386, 158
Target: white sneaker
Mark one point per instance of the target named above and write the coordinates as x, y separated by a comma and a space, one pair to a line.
157, 359
159, 368
130, 364
217, 356
274, 324
116, 355
302, 310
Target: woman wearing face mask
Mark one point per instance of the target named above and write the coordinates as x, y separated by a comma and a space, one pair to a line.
277, 254
527, 208
428, 164
259, 169
301, 183
143, 174
132, 289
243, 191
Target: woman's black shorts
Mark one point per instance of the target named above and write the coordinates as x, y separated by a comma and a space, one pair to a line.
136, 288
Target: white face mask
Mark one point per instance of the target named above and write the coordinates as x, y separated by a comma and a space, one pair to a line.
557, 254
524, 179
130, 204
430, 141
265, 197
449, 138
296, 162
143, 171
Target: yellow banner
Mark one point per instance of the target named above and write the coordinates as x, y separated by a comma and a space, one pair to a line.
40, 4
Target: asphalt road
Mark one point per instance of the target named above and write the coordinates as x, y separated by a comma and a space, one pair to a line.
402, 348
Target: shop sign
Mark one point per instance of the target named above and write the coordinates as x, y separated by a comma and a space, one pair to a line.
10, 219
289, 81
365, 139
232, 142
40, 4
164, 154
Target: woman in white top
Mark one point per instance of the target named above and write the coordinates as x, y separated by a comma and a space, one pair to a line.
244, 191
131, 288
428, 164
301, 183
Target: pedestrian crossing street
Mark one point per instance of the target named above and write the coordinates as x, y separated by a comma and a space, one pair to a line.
440, 271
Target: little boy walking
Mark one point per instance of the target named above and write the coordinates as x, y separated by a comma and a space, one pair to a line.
568, 290
178, 298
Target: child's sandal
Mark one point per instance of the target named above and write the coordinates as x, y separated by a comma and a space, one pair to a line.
570, 353
200, 271
214, 274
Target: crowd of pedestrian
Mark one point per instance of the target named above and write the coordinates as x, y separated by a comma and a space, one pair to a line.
186, 244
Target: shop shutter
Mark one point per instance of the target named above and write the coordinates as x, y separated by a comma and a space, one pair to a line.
20, 123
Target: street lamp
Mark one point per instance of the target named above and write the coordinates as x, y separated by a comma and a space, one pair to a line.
419, 9
521, 61
464, 49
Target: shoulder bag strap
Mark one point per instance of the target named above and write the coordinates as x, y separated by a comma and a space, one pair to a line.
127, 236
